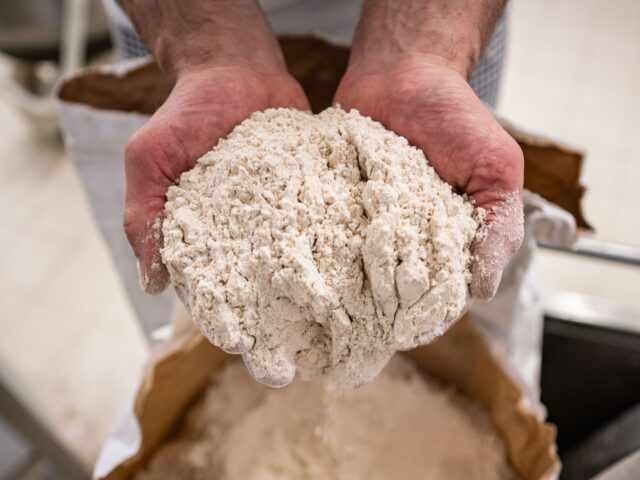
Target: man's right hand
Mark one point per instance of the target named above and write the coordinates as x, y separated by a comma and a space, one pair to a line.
204, 106
226, 65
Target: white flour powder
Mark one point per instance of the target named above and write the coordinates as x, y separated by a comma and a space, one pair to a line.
403, 425
316, 244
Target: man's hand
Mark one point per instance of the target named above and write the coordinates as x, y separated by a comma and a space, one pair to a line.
221, 77
402, 75
203, 107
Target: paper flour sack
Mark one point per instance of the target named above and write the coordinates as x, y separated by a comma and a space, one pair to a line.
404, 425
318, 244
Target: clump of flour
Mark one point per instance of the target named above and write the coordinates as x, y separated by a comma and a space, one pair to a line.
318, 244
403, 425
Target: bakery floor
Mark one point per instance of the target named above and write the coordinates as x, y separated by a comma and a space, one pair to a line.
68, 336
67, 332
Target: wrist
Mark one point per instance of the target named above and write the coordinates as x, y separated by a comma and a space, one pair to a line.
191, 35
381, 57
206, 50
451, 35
404, 64
266, 63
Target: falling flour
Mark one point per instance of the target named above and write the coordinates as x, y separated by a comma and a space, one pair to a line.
318, 244
403, 425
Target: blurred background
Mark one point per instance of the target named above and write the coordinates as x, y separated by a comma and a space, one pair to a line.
71, 348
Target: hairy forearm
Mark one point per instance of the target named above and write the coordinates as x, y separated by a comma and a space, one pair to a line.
189, 34
451, 32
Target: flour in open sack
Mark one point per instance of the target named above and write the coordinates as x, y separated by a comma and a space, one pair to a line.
316, 244
402, 425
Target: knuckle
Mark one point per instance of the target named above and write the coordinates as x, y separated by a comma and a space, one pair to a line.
508, 149
143, 147
136, 148
513, 150
130, 223
508, 162
517, 241
514, 241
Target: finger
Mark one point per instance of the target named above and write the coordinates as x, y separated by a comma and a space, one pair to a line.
145, 235
144, 207
152, 273
495, 244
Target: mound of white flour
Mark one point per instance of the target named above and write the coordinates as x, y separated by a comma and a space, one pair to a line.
316, 244
403, 425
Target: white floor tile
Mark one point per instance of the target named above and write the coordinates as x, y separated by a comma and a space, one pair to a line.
66, 329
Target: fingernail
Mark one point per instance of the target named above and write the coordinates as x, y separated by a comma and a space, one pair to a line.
143, 278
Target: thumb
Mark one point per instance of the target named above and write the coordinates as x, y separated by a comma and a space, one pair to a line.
146, 183
145, 235
495, 244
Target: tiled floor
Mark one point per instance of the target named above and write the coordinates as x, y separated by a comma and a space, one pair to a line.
66, 329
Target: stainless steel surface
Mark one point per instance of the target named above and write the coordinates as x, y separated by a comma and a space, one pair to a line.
57, 31
28, 25
593, 248
24, 416
588, 377
626, 469
594, 311
13, 451
74, 35
608, 445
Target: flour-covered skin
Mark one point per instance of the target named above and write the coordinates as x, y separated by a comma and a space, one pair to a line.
318, 244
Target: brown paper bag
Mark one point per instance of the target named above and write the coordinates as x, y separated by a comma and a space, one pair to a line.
178, 373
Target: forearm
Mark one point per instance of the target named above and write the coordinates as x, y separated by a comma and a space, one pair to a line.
451, 32
188, 34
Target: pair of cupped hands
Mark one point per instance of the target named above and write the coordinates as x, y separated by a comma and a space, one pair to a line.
421, 98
